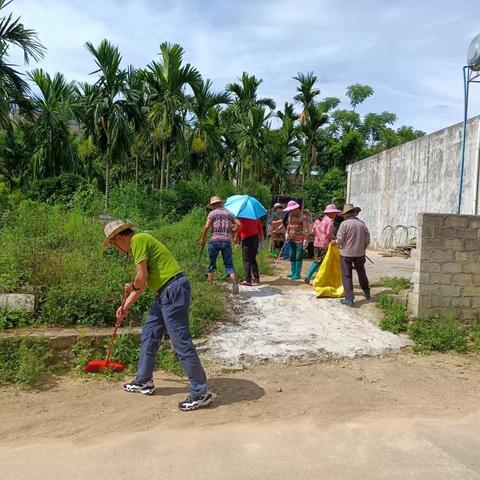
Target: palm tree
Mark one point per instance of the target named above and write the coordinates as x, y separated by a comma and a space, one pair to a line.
13, 88
247, 116
53, 112
168, 100
109, 107
206, 133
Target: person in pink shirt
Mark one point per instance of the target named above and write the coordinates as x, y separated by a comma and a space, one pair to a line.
323, 231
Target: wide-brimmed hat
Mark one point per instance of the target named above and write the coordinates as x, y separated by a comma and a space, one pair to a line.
332, 208
292, 205
277, 205
114, 228
214, 200
349, 208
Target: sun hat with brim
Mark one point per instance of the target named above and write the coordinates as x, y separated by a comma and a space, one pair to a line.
332, 208
114, 228
213, 201
349, 208
277, 205
292, 205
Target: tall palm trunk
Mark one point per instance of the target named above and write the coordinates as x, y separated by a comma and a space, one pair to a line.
162, 164
107, 179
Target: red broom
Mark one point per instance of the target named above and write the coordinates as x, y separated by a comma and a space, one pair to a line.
99, 365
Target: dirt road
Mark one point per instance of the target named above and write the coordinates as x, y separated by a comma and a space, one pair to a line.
370, 418
402, 416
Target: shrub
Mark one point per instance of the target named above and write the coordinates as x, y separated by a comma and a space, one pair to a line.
441, 334
26, 362
15, 319
394, 319
60, 189
396, 284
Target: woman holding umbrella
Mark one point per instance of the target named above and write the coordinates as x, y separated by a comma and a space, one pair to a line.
248, 210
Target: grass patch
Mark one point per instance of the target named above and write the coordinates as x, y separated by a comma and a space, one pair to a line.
26, 362
396, 284
10, 318
438, 334
395, 318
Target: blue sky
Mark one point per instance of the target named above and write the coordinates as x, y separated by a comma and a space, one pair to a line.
410, 52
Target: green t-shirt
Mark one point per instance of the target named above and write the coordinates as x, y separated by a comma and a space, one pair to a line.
160, 262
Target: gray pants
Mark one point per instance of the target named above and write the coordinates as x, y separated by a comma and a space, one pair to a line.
169, 312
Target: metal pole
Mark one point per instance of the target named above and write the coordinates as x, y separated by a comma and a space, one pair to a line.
464, 136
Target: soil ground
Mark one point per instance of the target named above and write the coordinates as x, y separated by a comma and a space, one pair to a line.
402, 416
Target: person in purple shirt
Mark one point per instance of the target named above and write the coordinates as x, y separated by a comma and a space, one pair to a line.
223, 225
353, 238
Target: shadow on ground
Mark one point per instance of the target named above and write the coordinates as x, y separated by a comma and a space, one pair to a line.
227, 390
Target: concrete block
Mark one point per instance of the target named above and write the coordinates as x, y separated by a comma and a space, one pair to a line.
452, 267
468, 313
475, 302
476, 280
425, 289
471, 291
439, 301
445, 232
456, 244
430, 267
18, 301
461, 302
449, 290
426, 231
472, 267
457, 221
463, 256
427, 243
441, 255
433, 220
462, 279
442, 278
475, 223
472, 245
467, 233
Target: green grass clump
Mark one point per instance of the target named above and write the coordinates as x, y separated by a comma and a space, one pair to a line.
438, 334
473, 336
10, 318
26, 362
396, 284
395, 318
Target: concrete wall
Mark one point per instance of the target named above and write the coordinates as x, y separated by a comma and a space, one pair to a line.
393, 187
447, 271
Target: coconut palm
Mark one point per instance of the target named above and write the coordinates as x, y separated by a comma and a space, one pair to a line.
13, 87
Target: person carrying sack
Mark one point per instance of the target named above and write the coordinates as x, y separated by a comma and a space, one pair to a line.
323, 231
353, 238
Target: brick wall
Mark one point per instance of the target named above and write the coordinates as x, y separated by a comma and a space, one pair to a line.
447, 272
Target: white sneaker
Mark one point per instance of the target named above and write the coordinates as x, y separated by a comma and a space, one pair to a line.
147, 388
193, 403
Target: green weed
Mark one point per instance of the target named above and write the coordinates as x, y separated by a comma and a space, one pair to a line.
438, 334
15, 319
396, 284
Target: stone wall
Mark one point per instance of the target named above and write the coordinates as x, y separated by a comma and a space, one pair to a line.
393, 187
447, 271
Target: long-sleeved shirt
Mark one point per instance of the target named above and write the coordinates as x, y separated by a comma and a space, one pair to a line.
323, 231
353, 237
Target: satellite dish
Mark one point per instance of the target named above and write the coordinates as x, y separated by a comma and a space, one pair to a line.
473, 54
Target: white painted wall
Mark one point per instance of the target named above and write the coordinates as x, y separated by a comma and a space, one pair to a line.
393, 187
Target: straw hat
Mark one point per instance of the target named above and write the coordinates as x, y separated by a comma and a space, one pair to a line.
277, 205
349, 208
332, 208
114, 228
214, 200
292, 205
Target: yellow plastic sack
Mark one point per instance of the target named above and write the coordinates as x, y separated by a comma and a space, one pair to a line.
328, 280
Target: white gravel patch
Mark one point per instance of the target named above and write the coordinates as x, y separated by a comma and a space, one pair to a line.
278, 325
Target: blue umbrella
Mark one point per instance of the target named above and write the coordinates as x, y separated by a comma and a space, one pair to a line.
244, 206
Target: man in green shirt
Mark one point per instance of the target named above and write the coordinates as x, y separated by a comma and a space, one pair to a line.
160, 272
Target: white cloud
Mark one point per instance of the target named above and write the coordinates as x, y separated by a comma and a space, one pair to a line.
411, 53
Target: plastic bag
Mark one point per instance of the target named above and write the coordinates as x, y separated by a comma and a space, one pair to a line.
328, 280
